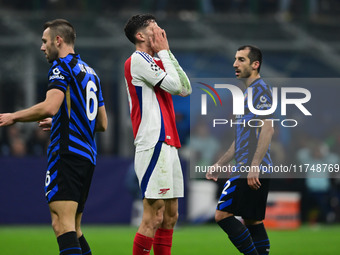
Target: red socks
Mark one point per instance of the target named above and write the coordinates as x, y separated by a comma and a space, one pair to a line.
163, 241
142, 245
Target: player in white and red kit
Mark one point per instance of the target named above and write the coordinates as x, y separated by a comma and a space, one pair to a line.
150, 83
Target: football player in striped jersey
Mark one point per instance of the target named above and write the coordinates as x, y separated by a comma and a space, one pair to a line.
75, 102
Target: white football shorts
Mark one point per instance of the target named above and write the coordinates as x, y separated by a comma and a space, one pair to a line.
159, 172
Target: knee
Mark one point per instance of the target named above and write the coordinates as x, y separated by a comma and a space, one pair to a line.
170, 220
220, 215
62, 225
251, 222
78, 231
155, 223
218, 218
152, 221
56, 226
158, 220
174, 218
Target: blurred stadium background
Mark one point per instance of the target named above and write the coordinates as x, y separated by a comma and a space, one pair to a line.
299, 39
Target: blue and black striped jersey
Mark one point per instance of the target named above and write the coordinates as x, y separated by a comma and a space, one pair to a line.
73, 127
247, 133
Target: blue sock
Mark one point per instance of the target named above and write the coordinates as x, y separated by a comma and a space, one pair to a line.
69, 244
238, 235
85, 248
260, 238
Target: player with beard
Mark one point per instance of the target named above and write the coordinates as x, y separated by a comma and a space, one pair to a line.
245, 192
74, 101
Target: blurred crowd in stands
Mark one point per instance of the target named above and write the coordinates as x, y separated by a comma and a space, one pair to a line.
285, 9
18, 141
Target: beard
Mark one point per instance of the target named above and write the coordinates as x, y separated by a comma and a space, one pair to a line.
246, 73
52, 55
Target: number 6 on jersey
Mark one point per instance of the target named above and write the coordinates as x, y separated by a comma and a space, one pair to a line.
91, 90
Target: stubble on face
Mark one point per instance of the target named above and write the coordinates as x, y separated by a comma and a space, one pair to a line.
53, 53
50, 49
242, 65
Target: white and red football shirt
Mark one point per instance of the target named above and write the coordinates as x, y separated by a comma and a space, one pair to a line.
151, 108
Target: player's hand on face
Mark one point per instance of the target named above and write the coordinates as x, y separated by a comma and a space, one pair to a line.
6, 119
45, 124
158, 40
212, 173
253, 178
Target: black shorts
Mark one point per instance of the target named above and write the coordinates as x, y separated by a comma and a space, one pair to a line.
69, 179
239, 199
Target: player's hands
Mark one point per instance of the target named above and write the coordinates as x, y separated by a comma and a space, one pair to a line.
211, 174
45, 124
253, 178
6, 119
158, 41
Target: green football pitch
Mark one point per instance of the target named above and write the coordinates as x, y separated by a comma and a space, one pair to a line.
196, 240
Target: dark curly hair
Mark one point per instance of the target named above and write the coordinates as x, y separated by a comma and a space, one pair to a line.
135, 23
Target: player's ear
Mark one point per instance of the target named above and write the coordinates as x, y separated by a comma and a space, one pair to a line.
255, 65
140, 37
58, 40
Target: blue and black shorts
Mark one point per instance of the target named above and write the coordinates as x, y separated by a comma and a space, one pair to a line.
239, 199
69, 178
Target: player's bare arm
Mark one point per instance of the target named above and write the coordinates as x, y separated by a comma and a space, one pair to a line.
101, 124
225, 159
47, 108
265, 138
